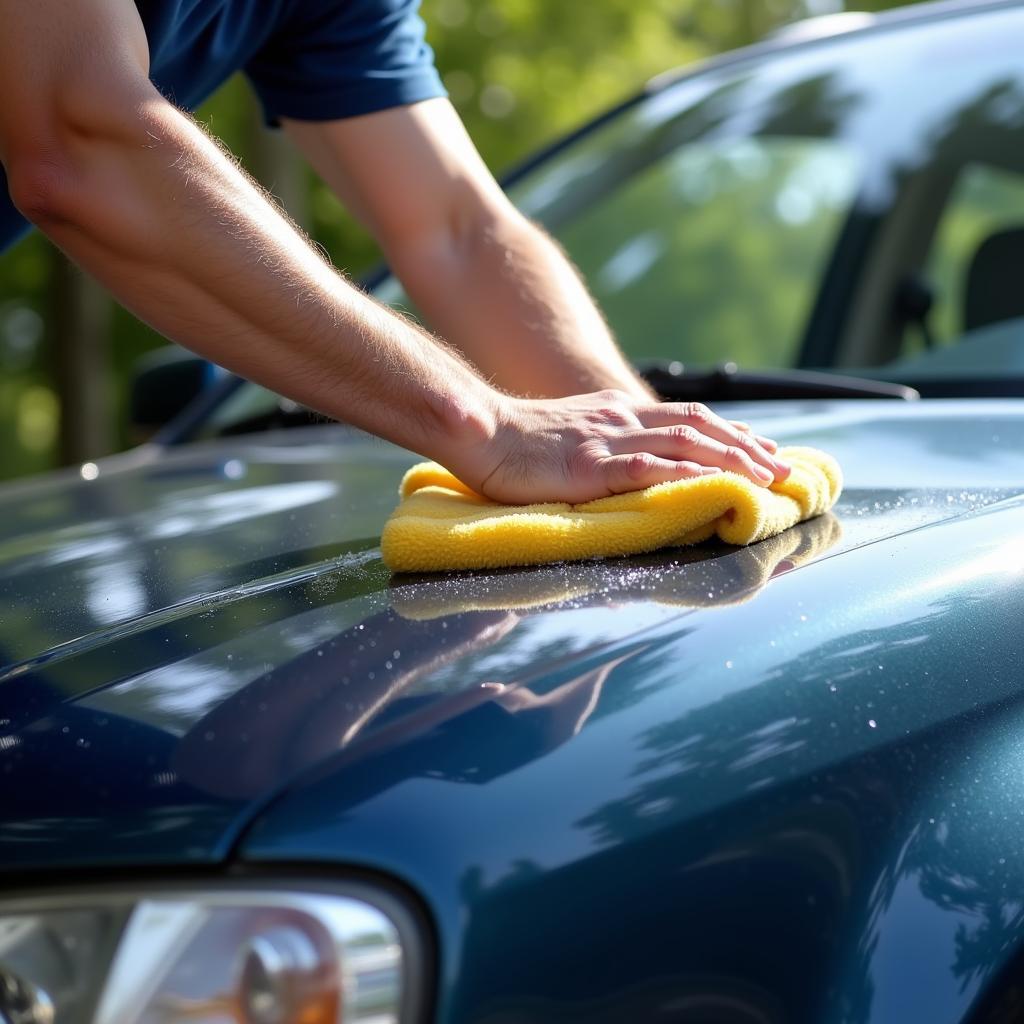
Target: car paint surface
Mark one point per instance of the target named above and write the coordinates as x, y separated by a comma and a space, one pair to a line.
820, 730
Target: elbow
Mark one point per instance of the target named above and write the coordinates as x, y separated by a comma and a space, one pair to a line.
61, 163
456, 237
456, 215
42, 189
479, 221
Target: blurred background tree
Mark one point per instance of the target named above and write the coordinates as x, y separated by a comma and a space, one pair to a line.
519, 71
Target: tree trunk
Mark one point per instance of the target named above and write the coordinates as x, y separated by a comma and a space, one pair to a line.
80, 346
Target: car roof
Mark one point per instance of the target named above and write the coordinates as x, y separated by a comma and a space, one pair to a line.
798, 36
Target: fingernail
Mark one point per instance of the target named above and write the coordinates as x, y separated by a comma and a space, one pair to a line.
764, 474
709, 470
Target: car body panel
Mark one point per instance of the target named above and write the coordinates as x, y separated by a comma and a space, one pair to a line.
158, 529
805, 806
158, 738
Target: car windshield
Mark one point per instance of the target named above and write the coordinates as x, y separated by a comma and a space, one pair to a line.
855, 205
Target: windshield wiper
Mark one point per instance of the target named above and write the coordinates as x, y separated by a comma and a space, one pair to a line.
728, 383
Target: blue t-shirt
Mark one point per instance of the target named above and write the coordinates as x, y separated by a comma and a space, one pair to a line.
311, 60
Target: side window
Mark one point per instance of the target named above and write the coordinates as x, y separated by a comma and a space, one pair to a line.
715, 252
975, 261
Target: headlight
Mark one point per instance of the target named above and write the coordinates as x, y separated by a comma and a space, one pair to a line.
222, 956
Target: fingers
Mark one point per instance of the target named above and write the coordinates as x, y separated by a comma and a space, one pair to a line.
636, 471
764, 442
687, 444
759, 450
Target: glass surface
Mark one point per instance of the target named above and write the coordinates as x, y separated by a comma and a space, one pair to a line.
251, 402
984, 201
209, 958
677, 280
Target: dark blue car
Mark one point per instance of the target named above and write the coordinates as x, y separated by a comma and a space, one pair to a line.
251, 778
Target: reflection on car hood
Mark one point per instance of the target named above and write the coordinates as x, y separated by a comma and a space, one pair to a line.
189, 633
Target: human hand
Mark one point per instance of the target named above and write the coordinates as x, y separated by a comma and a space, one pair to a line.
591, 446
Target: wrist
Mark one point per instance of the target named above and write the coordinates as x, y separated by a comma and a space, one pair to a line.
471, 422
636, 387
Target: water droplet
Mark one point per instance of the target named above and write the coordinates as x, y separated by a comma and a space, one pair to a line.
872, 724
728, 664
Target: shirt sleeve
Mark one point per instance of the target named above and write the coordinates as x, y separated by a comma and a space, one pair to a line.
12, 224
342, 58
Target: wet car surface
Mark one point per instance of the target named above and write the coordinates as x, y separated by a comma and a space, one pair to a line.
771, 724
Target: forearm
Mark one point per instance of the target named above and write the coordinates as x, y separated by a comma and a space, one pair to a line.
503, 293
138, 195
158, 214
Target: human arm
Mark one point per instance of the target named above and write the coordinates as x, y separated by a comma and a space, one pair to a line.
134, 191
489, 281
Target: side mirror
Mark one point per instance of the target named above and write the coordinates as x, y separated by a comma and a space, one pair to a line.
163, 383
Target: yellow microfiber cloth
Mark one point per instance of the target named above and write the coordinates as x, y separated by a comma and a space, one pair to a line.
441, 524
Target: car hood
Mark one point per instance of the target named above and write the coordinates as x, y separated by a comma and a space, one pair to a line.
193, 631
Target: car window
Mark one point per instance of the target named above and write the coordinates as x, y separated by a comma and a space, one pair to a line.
249, 403
675, 277
986, 206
